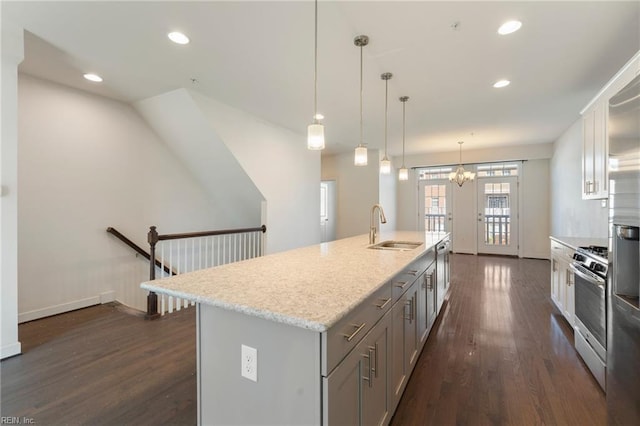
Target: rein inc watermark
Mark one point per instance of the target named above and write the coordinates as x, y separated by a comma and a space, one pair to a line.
15, 420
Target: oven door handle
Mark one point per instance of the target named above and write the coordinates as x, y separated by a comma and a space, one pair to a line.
591, 278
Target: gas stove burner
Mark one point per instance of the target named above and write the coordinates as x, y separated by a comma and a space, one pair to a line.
592, 258
600, 251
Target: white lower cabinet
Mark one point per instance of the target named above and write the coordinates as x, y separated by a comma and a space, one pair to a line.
562, 280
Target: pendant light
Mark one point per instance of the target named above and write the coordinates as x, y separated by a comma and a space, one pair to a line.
461, 176
385, 164
360, 158
315, 130
403, 173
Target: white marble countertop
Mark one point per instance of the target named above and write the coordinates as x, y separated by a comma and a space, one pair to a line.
311, 287
575, 242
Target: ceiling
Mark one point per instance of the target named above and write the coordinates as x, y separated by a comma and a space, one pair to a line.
258, 57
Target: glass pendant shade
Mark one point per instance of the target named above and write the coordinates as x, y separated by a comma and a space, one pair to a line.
385, 166
360, 158
315, 136
403, 173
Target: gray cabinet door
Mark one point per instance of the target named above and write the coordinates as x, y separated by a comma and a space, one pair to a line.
411, 329
355, 393
376, 407
440, 278
397, 370
430, 281
426, 304
423, 325
342, 392
405, 340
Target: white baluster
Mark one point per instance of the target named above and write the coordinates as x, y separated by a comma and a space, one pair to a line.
162, 272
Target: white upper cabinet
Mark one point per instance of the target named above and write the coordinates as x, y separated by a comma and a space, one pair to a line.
594, 151
595, 144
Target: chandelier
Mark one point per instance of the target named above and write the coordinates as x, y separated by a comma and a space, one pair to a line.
461, 176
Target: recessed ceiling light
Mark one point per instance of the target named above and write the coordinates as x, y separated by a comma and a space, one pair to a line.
178, 37
509, 27
93, 77
501, 83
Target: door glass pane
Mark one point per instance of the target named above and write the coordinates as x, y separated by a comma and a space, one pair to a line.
435, 207
497, 214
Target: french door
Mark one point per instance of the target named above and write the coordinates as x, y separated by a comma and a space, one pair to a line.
498, 215
435, 211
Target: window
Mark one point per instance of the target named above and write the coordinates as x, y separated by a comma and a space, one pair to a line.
497, 169
434, 173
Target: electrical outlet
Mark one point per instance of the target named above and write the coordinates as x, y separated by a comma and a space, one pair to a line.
249, 363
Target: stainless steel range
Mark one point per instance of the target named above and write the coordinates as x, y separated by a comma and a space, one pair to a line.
590, 268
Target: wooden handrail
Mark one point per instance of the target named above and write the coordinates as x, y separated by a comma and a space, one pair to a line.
153, 238
138, 249
262, 228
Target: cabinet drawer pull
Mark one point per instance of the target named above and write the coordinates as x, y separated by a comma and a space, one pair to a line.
411, 316
401, 284
357, 330
375, 351
383, 304
428, 280
413, 309
371, 370
413, 272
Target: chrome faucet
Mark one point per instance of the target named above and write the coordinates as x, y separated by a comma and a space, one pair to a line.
373, 230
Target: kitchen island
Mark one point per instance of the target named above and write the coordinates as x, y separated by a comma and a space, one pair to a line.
329, 332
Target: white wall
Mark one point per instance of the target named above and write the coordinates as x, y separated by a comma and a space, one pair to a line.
571, 216
185, 130
407, 196
358, 191
535, 208
534, 183
282, 168
85, 163
12, 55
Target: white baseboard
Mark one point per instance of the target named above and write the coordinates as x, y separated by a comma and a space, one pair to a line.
58, 309
107, 296
536, 255
10, 350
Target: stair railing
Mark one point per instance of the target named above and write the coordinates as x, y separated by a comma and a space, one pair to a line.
187, 252
138, 249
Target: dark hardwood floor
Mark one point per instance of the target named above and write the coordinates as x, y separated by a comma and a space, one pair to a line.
103, 366
499, 354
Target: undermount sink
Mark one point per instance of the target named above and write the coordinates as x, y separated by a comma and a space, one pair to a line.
396, 245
